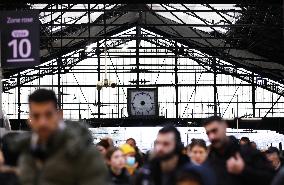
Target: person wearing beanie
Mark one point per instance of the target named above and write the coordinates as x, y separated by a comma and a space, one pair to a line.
129, 153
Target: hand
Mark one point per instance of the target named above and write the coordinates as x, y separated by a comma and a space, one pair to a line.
235, 164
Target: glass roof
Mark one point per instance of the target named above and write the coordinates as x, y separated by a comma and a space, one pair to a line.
182, 13
69, 17
201, 14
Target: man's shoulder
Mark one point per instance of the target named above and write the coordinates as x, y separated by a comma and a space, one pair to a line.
21, 142
77, 138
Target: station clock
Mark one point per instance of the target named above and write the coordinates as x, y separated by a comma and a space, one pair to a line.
142, 102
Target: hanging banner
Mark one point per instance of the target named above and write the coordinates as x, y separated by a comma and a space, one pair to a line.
19, 38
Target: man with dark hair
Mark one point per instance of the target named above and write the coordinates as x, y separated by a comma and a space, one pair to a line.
244, 141
273, 156
57, 152
167, 159
253, 145
234, 164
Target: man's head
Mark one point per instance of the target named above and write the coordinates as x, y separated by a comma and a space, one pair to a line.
244, 141
215, 128
253, 145
44, 116
131, 142
273, 156
189, 178
168, 143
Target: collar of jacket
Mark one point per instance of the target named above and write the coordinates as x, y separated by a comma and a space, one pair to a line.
229, 149
156, 169
34, 136
73, 139
123, 174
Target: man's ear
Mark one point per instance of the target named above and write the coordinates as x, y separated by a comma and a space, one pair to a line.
60, 112
225, 124
29, 122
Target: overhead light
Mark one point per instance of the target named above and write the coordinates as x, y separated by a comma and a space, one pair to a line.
105, 83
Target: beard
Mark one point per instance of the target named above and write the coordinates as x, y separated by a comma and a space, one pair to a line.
219, 143
165, 157
216, 143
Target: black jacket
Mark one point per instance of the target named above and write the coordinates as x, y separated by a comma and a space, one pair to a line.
123, 179
69, 158
257, 169
279, 178
8, 179
150, 173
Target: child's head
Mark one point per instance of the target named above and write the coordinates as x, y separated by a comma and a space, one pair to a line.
115, 158
197, 151
191, 178
192, 174
129, 153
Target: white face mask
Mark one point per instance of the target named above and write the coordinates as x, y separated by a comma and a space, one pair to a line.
130, 161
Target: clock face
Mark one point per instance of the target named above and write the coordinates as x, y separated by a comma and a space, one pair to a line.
142, 102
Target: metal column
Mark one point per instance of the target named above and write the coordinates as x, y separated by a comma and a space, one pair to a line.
59, 82
253, 95
19, 96
99, 78
176, 78
138, 39
215, 88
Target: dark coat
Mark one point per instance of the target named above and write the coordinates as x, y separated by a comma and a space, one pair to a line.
202, 172
257, 169
11, 157
150, 173
70, 158
279, 178
8, 179
123, 179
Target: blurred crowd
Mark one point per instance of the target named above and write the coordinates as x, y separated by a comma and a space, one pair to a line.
58, 152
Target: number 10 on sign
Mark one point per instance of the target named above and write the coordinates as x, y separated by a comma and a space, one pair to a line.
21, 46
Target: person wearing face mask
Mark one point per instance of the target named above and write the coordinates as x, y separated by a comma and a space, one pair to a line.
117, 171
197, 151
129, 153
139, 155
